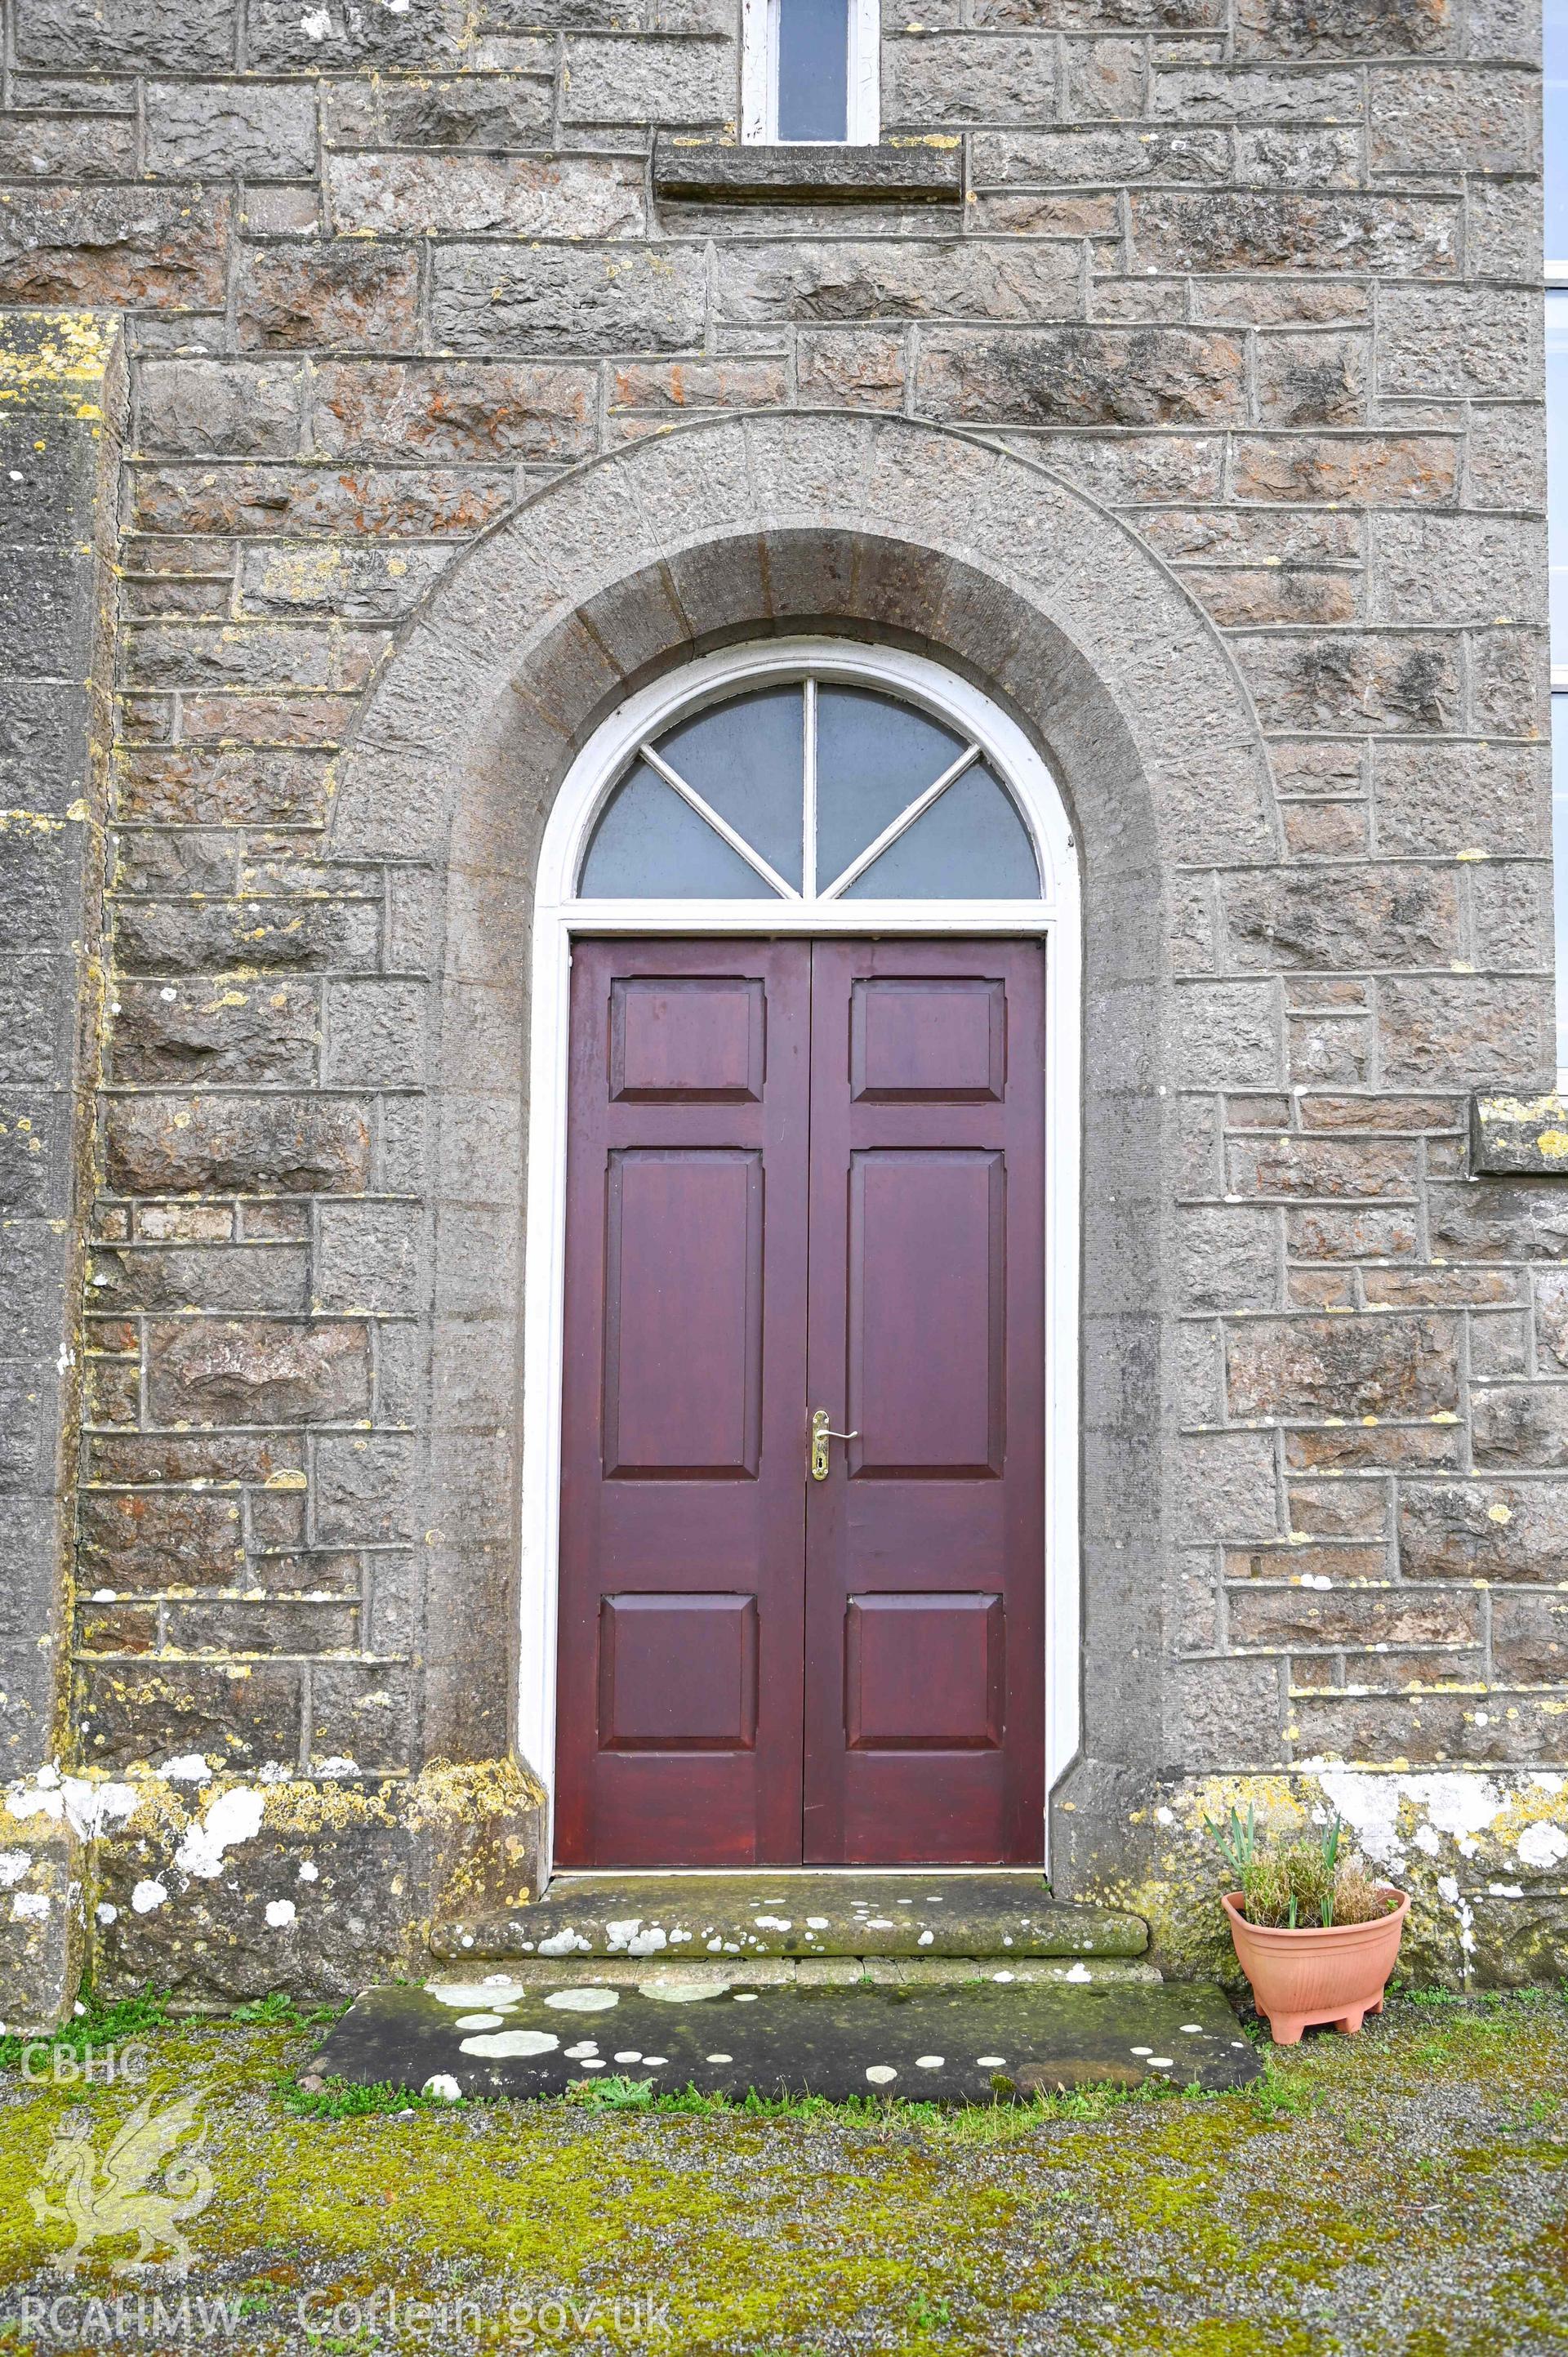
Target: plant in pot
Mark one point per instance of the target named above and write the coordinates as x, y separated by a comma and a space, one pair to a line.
1315, 1935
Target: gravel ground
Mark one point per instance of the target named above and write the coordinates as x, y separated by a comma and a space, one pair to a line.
1400, 2194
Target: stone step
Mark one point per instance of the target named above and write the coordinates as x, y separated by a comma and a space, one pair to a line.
797, 1913
824, 1971
964, 2043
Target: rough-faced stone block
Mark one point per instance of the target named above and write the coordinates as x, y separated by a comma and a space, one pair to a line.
1348, 917
1081, 376
546, 298
1465, 1031
943, 80
372, 409
365, 1488
897, 278
157, 1539
277, 1144
257, 1370
137, 1713
292, 298
367, 1258
473, 196
1348, 28
1484, 1531
1447, 119
1402, 237
168, 1032
117, 248
488, 111
1453, 340
209, 130
1523, 1425
648, 81
1371, 1365
127, 36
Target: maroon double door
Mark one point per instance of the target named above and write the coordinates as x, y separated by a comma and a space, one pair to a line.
804, 1177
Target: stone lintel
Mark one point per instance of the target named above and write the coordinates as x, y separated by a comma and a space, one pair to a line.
920, 172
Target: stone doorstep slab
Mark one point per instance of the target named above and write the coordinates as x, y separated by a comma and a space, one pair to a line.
947, 2045
797, 1913
835, 1972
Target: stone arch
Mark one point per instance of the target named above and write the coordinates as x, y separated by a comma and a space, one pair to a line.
877, 528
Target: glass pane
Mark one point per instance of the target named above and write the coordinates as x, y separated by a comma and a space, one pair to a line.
1560, 871
1555, 96
748, 757
971, 845
872, 758
1557, 469
813, 68
649, 843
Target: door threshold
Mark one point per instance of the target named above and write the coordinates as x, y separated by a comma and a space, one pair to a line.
775, 1873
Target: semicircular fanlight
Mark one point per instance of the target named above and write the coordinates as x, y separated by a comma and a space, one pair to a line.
811, 792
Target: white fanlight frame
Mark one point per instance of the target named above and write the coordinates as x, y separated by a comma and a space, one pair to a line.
559, 917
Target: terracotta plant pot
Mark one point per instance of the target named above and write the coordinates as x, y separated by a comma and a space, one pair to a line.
1334, 1973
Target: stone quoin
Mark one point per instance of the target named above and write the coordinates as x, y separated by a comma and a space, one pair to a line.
390, 395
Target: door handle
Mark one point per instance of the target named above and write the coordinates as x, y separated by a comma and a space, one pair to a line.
822, 1433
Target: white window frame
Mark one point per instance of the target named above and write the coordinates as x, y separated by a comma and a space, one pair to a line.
560, 918
759, 76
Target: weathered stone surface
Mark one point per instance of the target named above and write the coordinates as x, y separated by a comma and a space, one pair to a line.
956, 77
1519, 1134
492, 111
897, 278
269, 134
547, 298
1484, 1531
78, 35
292, 1145
117, 247
156, 1540
914, 171
1348, 29
1355, 917
292, 298
468, 196
1082, 376
1386, 1365
1403, 237
257, 1370
1521, 1424
373, 410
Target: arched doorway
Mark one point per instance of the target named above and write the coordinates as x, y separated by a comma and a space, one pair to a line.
804, 1140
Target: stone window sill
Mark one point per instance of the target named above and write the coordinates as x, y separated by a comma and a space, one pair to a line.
912, 172
1519, 1136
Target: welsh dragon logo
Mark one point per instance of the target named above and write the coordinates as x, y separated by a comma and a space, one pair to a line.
123, 2196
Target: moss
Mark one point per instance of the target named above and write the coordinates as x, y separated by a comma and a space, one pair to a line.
1428, 2151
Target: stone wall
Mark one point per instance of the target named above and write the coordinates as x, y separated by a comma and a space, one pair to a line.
1255, 278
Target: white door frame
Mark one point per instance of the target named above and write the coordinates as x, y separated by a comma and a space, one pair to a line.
559, 917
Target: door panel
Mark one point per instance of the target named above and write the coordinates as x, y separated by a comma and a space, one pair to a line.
925, 1544
683, 1452
927, 1259
683, 1228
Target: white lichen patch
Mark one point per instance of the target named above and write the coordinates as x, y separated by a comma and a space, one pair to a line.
280, 1914
14, 1864
880, 2073
147, 1896
232, 1817
442, 2088
1542, 1845
683, 1992
497, 2045
565, 1943
583, 2000
467, 1995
